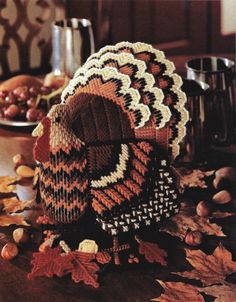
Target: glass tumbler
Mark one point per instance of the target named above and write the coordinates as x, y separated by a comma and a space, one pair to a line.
72, 44
218, 73
194, 146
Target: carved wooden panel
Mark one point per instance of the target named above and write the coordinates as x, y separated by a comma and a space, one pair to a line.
25, 31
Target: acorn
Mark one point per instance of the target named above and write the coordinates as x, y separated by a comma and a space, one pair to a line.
18, 160
222, 197
202, 209
193, 238
20, 235
9, 251
25, 171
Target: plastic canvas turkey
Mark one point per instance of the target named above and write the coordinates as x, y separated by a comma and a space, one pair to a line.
107, 148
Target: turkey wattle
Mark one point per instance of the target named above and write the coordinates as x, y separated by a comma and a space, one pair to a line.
108, 147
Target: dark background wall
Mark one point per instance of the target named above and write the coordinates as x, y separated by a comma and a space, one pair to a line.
176, 26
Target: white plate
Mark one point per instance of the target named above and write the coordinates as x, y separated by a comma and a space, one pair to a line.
13, 123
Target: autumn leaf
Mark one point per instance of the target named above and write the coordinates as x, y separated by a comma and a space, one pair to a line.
194, 178
187, 219
179, 291
13, 204
209, 269
84, 269
50, 262
151, 251
7, 184
223, 293
219, 214
7, 219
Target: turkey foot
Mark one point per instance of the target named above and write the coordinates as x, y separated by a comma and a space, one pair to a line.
116, 248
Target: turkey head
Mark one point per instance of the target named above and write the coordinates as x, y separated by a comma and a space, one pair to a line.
62, 166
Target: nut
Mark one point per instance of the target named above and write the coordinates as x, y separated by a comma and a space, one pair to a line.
25, 171
9, 251
222, 197
202, 209
224, 174
20, 235
18, 160
193, 238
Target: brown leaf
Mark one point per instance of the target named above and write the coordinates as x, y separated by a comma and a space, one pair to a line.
219, 214
194, 178
152, 252
187, 219
6, 184
223, 293
50, 263
179, 291
7, 219
209, 269
13, 204
84, 269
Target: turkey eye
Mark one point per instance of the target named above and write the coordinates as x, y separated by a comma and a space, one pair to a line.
57, 119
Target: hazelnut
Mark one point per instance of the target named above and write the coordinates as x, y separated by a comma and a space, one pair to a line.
20, 235
9, 251
202, 209
226, 174
18, 160
193, 238
25, 171
222, 197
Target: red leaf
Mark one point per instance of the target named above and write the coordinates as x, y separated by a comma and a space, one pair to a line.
83, 269
103, 257
50, 262
152, 252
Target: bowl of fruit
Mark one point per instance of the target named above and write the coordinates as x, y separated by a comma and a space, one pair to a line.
25, 100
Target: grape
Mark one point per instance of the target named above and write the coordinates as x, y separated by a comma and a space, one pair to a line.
31, 102
18, 90
24, 96
12, 111
32, 115
3, 93
44, 90
34, 91
10, 99
22, 112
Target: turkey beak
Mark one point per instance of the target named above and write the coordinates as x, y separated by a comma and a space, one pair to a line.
38, 131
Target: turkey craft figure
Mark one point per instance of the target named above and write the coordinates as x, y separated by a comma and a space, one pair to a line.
108, 146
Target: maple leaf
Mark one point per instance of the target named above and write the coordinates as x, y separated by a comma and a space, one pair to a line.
151, 251
50, 262
187, 219
179, 291
84, 269
223, 293
13, 204
6, 184
7, 219
103, 257
194, 178
209, 269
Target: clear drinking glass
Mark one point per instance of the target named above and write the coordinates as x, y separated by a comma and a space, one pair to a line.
194, 146
220, 105
72, 44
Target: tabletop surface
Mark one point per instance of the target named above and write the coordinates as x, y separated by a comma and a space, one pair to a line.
126, 283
